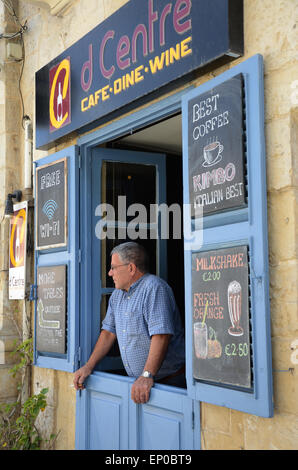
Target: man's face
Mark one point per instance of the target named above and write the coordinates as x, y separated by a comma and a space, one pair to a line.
120, 272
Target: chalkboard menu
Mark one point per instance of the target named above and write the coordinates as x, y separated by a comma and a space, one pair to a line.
216, 148
51, 309
51, 203
221, 351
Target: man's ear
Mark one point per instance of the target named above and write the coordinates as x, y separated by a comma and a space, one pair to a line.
132, 268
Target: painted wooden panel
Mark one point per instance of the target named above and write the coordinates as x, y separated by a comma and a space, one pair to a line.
67, 256
107, 413
114, 422
236, 228
104, 409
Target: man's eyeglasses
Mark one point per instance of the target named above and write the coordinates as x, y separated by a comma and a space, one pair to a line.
112, 268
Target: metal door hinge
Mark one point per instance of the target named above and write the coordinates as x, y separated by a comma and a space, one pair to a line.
33, 292
78, 357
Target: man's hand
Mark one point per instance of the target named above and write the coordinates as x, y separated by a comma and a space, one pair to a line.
102, 347
80, 376
140, 391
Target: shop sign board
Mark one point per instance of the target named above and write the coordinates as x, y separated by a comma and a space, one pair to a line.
51, 205
17, 251
51, 309
142, 47
216, 148
221, 331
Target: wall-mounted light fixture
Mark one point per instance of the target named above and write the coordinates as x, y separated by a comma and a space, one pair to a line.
9, 204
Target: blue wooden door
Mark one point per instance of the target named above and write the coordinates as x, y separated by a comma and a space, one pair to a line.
110, 420
168, 421
106, 417
106, 405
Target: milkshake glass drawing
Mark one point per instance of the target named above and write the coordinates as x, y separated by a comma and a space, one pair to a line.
201, 340
234, 304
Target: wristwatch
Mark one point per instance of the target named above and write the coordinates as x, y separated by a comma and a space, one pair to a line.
147, 374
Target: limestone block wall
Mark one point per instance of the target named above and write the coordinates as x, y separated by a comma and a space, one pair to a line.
10, 180
271, 30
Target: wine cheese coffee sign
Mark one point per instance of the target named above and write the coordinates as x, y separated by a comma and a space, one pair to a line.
216, 148
220, 309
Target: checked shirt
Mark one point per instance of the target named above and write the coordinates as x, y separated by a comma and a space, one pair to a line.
147, 309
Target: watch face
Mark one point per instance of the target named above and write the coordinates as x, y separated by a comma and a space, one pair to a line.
146, 374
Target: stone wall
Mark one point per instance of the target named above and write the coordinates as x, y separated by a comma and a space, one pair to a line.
270, 30
10, 125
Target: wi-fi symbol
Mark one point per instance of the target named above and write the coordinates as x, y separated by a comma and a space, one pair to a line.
49, 208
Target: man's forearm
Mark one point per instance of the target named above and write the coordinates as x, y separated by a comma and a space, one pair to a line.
104, 343
102, 347
140, 391
157, 353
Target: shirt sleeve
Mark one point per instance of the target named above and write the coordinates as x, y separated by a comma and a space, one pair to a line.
109, 320
159, 310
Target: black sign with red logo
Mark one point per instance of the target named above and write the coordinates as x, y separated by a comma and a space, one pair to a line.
144, 46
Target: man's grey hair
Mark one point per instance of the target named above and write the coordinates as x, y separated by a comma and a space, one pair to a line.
132, 252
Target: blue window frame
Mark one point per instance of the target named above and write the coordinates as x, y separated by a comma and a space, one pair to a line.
68, 256
93, 284
242, 227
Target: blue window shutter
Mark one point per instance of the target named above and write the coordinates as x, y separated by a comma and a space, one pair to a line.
246, 226
68, 256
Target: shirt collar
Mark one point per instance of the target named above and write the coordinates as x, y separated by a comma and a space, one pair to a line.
136, 284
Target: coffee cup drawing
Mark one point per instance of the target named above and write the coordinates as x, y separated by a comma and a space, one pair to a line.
212, 153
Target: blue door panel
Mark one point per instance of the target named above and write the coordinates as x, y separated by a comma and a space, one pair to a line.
115, 422
156, 424
165, 422
107, 409
107, 413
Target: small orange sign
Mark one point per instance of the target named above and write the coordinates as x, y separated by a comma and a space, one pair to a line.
17, 251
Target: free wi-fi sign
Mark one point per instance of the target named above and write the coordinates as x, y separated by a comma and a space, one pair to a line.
51, 205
